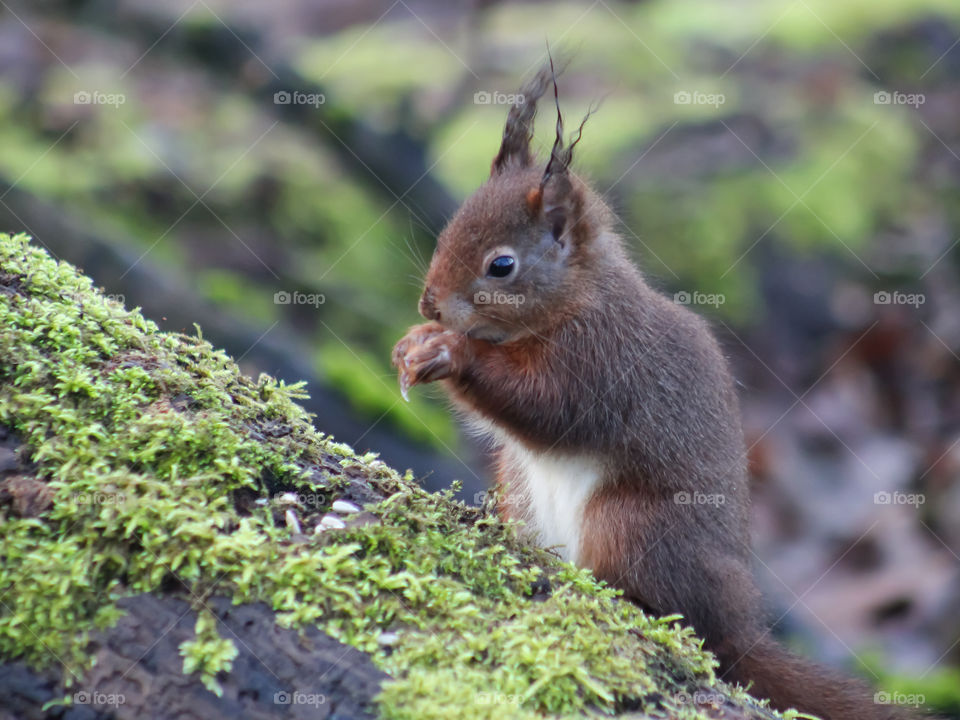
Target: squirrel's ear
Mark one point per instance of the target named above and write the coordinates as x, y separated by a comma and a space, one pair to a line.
518, 132
559, 206
556, 203
552, 205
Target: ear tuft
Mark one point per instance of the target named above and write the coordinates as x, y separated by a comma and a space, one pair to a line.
561, 155
534, 200
518, 131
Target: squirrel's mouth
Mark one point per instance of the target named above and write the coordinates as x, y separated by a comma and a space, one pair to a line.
470, 321
487, 333
491, 334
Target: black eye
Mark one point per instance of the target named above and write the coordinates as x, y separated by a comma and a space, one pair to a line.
501, 266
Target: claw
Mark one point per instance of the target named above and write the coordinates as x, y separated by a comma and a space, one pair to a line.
420, 357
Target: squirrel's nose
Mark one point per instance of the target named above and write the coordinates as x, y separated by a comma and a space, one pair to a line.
428, 307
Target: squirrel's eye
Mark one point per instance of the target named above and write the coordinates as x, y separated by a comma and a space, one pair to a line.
501, 266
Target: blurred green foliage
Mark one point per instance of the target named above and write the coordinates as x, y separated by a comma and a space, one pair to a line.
206, 181
938, 689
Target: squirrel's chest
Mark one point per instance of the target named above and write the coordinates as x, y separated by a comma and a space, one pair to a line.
550, 490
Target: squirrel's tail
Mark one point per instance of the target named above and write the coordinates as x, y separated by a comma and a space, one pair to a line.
790, 681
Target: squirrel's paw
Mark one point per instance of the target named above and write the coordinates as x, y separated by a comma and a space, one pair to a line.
426, 353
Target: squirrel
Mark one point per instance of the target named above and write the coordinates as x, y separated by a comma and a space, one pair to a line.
612, 408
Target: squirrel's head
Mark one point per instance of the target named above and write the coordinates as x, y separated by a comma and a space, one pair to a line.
512, 260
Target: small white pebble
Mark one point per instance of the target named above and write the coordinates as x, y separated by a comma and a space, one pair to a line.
388, 638
332, 522
261, 501
288, 498
345, 506
292, 522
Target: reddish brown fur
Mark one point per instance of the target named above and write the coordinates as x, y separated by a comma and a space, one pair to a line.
534, 199
594, 363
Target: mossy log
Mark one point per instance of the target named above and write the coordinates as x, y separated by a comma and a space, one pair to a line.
178, 540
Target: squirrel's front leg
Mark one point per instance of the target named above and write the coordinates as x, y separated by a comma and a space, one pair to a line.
430, 352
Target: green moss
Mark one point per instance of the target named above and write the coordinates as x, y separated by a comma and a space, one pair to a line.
208, 653
165, 465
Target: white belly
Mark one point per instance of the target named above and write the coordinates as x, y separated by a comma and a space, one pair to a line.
554, 490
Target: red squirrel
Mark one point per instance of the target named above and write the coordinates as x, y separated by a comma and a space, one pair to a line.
612, 408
